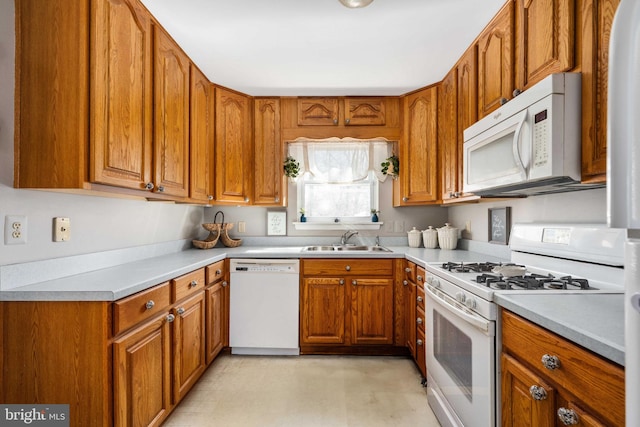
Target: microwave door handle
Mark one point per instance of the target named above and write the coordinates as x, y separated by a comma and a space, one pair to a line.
517, 145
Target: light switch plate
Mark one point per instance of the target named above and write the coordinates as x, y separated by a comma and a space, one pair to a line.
61, 229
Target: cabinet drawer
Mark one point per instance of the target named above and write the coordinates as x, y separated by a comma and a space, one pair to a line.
341, 267
215, 272
186, 285
587, 376
135, 308
410, 272
420, 297
420, 277
420, 319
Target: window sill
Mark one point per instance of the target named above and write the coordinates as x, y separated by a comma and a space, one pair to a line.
338, 225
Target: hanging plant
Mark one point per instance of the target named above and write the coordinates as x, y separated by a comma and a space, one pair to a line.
391, 166
291, 167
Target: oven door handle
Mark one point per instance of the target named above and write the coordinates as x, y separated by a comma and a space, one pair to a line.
451, 305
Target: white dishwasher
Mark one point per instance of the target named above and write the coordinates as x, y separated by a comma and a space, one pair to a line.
263, 306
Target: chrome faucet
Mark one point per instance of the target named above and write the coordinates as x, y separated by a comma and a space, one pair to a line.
347, 235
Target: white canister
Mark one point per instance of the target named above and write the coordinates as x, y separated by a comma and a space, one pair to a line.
414, 238
430, 238
448, 237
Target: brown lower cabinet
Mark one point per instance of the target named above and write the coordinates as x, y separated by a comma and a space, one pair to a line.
549, 381
122, 363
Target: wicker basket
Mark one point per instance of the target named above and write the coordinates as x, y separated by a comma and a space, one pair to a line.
211, 240
226, 240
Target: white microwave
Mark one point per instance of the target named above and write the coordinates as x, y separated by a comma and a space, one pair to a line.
530, 145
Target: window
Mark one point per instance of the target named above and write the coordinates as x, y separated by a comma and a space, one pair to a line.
339, 179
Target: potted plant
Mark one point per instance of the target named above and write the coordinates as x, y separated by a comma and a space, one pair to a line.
291, 167
391, 166
374, 215
302, 217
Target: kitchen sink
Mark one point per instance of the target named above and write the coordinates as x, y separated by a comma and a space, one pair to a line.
345, 248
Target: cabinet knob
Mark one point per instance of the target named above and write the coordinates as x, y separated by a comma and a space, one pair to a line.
550, 362
193, 284
348, 268
335, 121
407, 270
419, 299
354, 282
149, 186
405, 282
568, 417
218, 272
537, 392
277, 199
419, 342
419, 320
209, 197
405, 199
246, 200
170, 318
341, 281
161, 189
419, 278
347, 121
224, 283
180, 310
150, 304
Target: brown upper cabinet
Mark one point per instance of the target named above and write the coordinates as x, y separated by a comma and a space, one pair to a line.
364, 112
233, 148
269, 182
317, 111
495, 61
545, 39
448, 134
202, 135
326, 111
417, 184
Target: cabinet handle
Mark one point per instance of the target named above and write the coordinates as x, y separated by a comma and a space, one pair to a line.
170, 318
419, 299
218, 272
537, 392
335, 121
180, 310
150, 304
347, 121
224, 283
246, 200
209, 197
193, 284
161, 189
405, 199
419, 278
419, 320
568, 417
419, 342
550, 362
341, 282
149, 186
407, 270
354, 282
348, 268
404, 282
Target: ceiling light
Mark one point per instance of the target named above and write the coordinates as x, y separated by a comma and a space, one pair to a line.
356, 3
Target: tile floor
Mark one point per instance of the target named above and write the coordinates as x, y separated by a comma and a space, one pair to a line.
306, 391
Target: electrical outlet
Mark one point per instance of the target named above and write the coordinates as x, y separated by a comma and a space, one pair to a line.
467, 227
242, 227
15, 230
61, 229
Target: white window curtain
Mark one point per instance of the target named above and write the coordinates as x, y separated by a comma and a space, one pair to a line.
340, 161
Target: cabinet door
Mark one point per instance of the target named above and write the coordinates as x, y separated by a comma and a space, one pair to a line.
495, 61
216, 321
364, 112
467, 101
421, 352
142, 374
121, 101
234, 161
317, 111
269, 179
371, 310
596, 18
409, 304
201, 136
448, 134
546, 34
171, 126
418, 150
322, 311
188, 345
521, 406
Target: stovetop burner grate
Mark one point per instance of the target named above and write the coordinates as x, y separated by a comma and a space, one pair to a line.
532, 282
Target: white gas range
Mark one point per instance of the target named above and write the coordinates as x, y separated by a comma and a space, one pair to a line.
461, 313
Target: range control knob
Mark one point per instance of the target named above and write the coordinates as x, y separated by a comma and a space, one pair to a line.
460, 297
471, 303
435, 283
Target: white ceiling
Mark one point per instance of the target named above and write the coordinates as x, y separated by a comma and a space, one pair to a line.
319, 47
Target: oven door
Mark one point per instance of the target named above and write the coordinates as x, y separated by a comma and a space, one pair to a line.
460, 357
